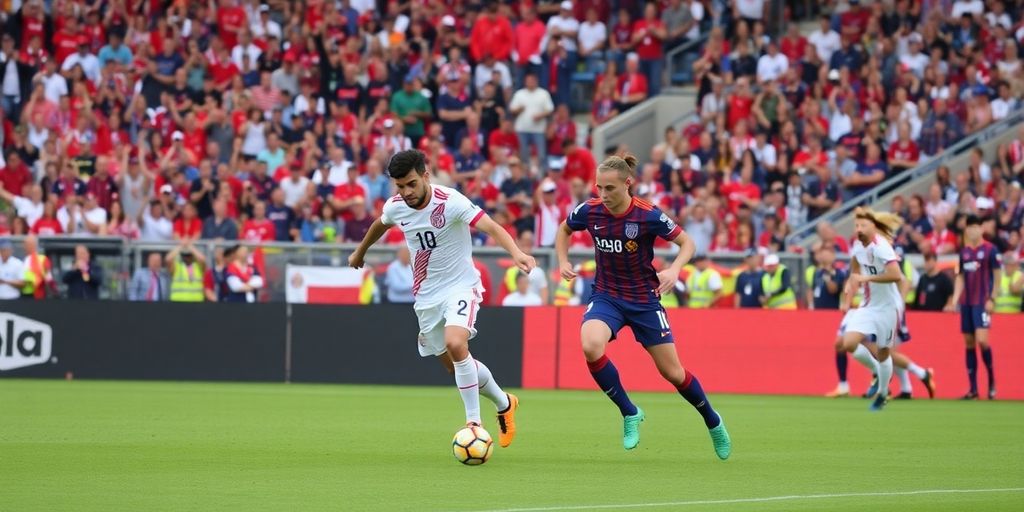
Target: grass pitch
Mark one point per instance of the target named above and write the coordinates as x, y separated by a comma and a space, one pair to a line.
85, 445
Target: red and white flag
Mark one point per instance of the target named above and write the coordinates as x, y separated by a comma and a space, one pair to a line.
324, 285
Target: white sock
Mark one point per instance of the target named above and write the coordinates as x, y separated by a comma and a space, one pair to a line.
489, 387
904, 378
864, 357
884, 376
468, 383
916, 370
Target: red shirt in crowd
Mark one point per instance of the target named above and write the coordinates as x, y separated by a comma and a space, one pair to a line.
942, 242
649, 48
65, 43
739, 108
793, 49
527, 39
257, 231
501, 140
858, 20
579, 163
632, 84
191, 229
46, 227
347, 191
31, 27
229, 21
735, 192
904, 151
491, 36
14, 179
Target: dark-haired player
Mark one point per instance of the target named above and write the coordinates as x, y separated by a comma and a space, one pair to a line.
627, 290
975, 292
436, 222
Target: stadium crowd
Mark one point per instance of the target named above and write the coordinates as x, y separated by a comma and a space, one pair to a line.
256, 122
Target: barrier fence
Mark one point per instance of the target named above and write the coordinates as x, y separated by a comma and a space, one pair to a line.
732, 351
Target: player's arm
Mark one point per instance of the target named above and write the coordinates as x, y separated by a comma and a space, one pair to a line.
377, 230
851, 287
667, 278
524, 261
958, 287
990, 303
562, 251
891, 274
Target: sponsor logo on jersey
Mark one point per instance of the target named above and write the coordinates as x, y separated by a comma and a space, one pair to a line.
632, 230
437, 216
632, 246
669, 223
23, 342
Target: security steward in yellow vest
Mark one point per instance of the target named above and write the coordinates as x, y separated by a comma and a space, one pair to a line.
704, 284
38, 274
776, 285
1010, 286
187, 267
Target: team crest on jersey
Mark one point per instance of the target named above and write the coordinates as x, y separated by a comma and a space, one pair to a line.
437, 216
981, 255
632, 246
632, 230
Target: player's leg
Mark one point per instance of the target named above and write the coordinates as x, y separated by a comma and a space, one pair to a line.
884, 376
903, 364
967, 327
981, 331
456, 342
852, 343
687, 384
842, 364
600, 323
489, 387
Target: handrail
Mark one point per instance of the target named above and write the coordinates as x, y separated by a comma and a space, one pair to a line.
801, 234
681, 49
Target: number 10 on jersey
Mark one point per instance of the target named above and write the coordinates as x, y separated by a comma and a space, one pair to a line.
427, 240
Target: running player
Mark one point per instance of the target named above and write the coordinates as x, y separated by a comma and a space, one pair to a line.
975, 292
627, 291
436, 222
875, 266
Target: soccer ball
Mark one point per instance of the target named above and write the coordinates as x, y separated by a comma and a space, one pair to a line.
472, 446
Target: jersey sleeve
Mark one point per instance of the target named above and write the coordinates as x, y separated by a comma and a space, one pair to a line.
387, 212
885, 253
995, 260
464, 209
577, 219
660, 224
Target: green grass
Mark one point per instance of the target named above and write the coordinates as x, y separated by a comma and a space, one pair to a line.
106, 446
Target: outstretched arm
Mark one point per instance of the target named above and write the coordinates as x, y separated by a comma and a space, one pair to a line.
524, 261
667, 278
377, 230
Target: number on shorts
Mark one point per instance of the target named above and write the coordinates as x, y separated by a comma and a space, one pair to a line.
663, 319
462, 306
589, 306
427, 240
985, 318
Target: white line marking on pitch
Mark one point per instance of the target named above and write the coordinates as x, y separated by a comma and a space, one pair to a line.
757, 500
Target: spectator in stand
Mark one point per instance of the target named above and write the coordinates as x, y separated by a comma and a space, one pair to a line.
218, 226
282, 216
154, 225
243, 280
772, 65
903, 154
398, 279
357, 226
453, 107
593, 38
151, 283
940, 130
12, 272
942, 240
15, 174
467, 162
258, 228
188, 227
492, 34
85, 277
872, 171
633, 87
530, 32
532, 106
649, 33
700, 226
522, 295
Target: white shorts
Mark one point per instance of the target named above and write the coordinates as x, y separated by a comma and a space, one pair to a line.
459, 309
877, 324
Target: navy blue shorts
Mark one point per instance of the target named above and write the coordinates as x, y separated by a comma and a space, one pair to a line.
648, 321
973, 318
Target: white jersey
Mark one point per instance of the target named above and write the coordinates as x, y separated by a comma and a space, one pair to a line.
438, 238
872, 260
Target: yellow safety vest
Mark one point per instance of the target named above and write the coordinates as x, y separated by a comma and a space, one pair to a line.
771, 283
809, 275
510, 278
187, 283
1007, 302
368, 289
564, 292
670, 300
32, 280
908, 272
701, 294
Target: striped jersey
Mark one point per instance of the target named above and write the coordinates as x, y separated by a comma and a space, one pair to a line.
978, 266
438, 238
624, 247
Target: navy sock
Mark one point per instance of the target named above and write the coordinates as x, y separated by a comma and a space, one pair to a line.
986, 356
607, 378
693, 393
842, 361
972, 369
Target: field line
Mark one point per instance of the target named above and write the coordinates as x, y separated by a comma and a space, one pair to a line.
795, 497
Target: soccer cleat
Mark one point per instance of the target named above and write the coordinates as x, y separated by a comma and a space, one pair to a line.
720, 438
971, 395
929, 382
878, 403
872, 389
992, 393
507, 422
631, 429
839, 391
905, 395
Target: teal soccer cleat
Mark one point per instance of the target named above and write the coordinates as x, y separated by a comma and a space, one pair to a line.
720, 438
631, 429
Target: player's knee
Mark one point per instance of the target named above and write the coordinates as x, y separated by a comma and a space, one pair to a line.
674, 376
593, 348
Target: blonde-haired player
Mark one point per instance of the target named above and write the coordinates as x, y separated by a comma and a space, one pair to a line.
875, 266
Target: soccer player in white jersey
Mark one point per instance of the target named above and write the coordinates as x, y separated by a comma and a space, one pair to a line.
874, 266
436, 222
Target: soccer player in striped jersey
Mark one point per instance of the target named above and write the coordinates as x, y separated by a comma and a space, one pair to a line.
974, 291
627, 290
436, 222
